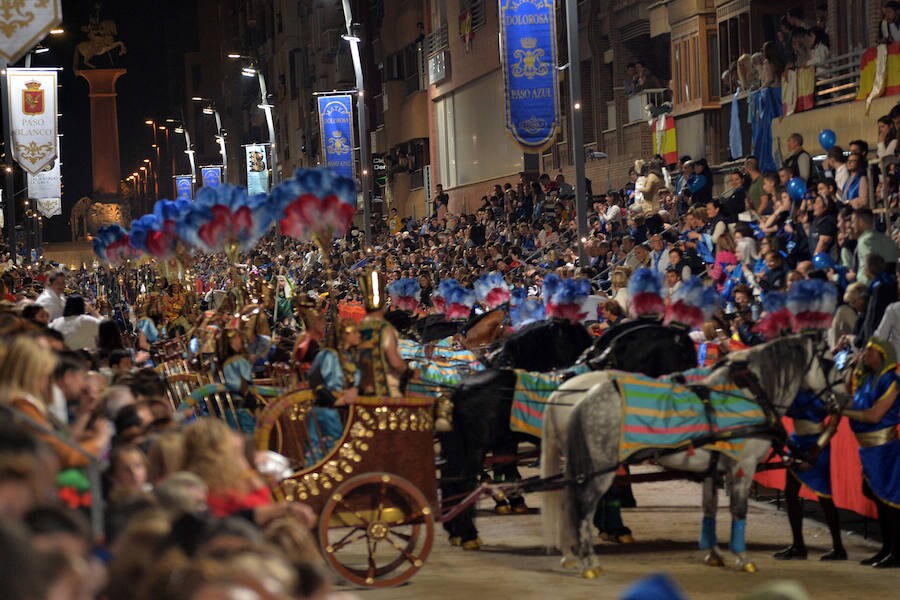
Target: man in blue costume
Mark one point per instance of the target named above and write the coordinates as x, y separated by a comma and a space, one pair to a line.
874, 419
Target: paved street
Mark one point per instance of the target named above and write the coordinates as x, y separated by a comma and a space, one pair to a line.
514, 563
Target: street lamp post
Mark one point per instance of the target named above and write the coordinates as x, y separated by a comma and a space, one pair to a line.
169, 151
209, 108
251, 69
352, 36
577, 127
181, 128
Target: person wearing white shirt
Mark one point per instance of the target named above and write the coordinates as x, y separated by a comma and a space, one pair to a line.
889, 328
659, 254
79, 329
52, 298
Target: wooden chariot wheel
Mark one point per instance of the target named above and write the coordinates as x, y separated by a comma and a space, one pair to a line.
376, 530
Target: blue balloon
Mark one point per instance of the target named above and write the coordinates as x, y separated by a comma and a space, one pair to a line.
796, 187
827, 139
823, 260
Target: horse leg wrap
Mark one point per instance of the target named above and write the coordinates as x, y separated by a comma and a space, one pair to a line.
738, 543
708, 533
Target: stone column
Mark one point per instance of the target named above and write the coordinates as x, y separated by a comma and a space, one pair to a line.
105, 160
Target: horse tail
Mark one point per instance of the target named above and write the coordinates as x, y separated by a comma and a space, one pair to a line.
552, 513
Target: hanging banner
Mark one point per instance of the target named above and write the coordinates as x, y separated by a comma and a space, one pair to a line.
23, 23
336, 133
184, 188
257, 169
211, 176
528, 57
45, 189
32, 117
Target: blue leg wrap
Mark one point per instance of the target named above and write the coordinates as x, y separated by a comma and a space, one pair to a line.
739, 536
708, 533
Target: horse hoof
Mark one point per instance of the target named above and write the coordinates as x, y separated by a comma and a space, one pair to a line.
714, 560
503, 509
520, 509
472, 544
569, 563
625, 539
749, 567
592, 573
456, 541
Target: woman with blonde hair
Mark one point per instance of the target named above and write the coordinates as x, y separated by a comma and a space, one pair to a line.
619, 283
25, 384
216, 454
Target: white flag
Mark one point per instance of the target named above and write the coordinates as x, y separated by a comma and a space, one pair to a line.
32, 118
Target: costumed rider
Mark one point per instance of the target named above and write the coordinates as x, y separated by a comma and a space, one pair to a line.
807, 308
655, 349
255, 328
334, 378
874, 418
383, 372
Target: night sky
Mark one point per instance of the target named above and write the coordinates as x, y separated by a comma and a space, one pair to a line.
156, 33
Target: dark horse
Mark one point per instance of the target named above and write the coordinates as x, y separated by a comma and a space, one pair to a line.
483, 402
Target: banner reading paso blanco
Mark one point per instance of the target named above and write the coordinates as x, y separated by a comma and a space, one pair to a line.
336, 131
528, 57
32, 117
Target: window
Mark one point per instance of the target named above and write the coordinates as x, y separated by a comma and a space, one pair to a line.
686, 68
733, 41
473, 144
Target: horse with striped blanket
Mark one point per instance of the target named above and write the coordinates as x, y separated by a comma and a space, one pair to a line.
600, 420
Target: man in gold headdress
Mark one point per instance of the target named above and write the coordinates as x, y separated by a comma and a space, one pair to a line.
381, 366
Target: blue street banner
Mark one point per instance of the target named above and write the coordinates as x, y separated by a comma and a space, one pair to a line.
336, 133
257, 169
211, 176
184, 189
528, 57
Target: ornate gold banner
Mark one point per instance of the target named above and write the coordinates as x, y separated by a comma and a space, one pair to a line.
32, 117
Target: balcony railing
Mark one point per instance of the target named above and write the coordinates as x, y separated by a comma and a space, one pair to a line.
437, 40
838, 79
638, 102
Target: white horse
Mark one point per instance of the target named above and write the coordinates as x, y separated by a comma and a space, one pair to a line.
583, 425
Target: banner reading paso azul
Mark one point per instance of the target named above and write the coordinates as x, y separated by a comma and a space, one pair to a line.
211, 176
336, 132
528, 57
184, 189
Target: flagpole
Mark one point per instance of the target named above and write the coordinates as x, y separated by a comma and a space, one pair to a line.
577, 141
10, 199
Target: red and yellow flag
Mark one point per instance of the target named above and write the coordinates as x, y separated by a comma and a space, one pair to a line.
664, 138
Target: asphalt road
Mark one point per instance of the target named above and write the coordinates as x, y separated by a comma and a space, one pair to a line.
514, 562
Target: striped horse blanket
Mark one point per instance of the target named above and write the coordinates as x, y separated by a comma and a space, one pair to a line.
658, 413
444, 351
531, 395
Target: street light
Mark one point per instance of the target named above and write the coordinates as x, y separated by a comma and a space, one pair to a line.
180, 128
251, 70
353, 37
209, 108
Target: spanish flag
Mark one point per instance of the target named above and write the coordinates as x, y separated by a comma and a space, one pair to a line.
664, 138
879, 72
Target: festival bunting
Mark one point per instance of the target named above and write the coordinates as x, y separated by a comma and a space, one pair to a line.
529, 58
211, 176
32, 117
336, 133
257, 169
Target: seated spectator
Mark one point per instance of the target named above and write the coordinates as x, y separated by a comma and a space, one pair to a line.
819, 47
887, 137
775, 277
79, 328
889, 28
856, 191
25, 379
